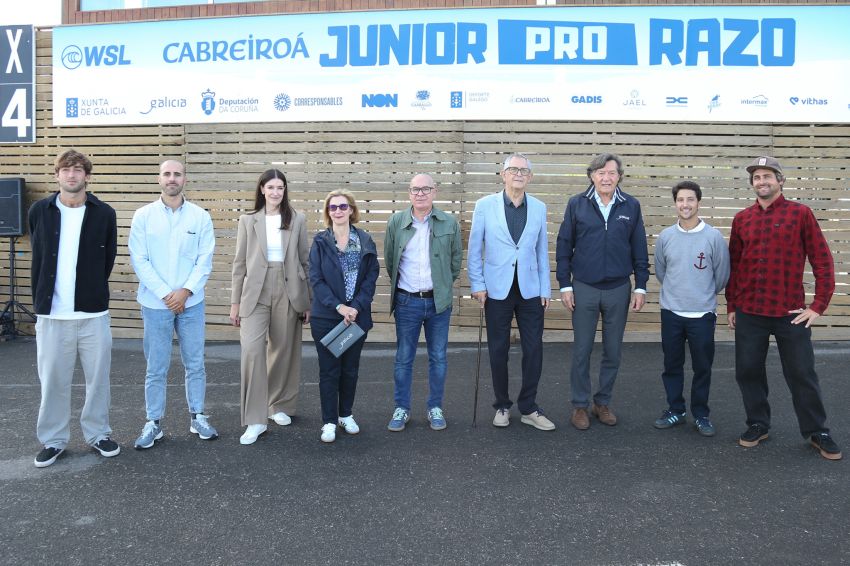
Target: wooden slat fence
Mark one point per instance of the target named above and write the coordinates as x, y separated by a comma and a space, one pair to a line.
377, 159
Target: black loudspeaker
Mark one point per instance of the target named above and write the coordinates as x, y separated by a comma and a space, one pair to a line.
12, 207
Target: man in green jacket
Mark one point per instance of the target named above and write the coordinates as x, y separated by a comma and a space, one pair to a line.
422, 253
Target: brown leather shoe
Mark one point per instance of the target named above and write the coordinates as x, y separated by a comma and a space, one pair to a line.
580, 418
605, 415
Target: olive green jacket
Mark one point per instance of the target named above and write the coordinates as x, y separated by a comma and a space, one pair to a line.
446, 252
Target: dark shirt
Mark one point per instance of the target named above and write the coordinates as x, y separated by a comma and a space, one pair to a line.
516, 216
98, 247
768, 250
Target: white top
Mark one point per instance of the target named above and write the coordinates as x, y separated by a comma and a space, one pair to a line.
70, 228
414, 266
274, 245
170, 250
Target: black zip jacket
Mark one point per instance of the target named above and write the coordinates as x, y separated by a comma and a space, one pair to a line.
98, 246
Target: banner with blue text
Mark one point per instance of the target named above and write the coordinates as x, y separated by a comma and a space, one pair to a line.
659, 63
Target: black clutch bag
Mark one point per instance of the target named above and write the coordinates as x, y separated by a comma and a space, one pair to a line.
342, 337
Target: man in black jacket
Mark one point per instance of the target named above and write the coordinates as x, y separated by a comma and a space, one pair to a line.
74, 241
602, 241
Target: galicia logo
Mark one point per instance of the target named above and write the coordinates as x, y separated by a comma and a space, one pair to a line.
282, 102
587, 99
72, 107
106, 55
456, 99
208, 102
676, 101
72, 57
714, 103
423, 99
379, 100
159, 103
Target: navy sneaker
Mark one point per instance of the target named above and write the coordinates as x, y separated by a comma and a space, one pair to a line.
669, 419
704, 426
753, 435
436, 418
399, 420
107, 447
825, 445
47, 456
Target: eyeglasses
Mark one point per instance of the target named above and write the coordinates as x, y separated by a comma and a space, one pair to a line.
343, 207
420, 190
524, 171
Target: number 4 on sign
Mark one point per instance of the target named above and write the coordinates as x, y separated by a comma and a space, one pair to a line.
15, 115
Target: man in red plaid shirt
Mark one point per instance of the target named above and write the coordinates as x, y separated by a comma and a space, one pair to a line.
769, 244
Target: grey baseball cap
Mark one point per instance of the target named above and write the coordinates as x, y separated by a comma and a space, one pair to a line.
765, 162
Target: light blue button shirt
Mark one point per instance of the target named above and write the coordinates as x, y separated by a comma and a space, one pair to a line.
170, 250
414, 266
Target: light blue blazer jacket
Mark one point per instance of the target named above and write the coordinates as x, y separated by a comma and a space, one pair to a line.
493, 255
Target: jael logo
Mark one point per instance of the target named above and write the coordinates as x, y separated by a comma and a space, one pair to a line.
208, 102
379, 100
72, 107
282, 102
714, 103
456, 99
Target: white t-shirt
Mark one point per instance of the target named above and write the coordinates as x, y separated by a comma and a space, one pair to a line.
71, 225
274, 244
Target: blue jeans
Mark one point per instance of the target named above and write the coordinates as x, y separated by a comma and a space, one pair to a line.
160, 325
699, 334
411, 314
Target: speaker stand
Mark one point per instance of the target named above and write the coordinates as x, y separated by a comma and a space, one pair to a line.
8, 331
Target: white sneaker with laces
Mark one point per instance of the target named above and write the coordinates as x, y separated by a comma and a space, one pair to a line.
281, 418
328, 432
252, 433
349, 425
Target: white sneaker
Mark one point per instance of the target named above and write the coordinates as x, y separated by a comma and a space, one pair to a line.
349, 425
252, 433
281, 418
328, 432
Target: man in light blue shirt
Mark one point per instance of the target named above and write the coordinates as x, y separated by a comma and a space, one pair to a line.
171, 248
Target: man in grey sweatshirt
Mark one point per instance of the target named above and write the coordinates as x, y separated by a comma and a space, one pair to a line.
692, 265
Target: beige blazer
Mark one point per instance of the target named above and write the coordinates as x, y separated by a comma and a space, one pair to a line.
250, 263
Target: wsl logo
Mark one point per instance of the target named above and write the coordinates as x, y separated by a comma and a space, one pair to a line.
107, 55
282, 102
208, 102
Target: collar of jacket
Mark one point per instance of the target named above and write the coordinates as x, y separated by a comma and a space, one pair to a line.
435, 214
618, 194
367, 245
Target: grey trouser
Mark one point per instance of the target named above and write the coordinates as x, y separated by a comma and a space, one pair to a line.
613, 305
58, 342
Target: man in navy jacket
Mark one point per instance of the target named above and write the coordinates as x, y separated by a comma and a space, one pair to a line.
601, 242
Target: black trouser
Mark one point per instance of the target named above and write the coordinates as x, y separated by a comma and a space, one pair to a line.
752, 334
337, 376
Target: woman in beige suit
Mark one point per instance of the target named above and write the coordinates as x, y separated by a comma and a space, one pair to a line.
269, 303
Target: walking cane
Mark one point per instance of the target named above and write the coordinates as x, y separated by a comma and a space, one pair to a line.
478, 366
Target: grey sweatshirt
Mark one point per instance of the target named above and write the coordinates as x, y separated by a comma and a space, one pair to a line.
693, 267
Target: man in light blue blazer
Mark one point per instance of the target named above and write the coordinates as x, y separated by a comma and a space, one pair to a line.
509, 276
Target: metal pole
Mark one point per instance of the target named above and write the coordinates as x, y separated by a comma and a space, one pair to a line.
478, 365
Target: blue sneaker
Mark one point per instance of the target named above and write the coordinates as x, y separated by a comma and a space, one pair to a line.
150, 434
704, 426
201, 426
436, 418
669, 419
400, 418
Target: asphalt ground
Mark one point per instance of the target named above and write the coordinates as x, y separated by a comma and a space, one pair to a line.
627, 495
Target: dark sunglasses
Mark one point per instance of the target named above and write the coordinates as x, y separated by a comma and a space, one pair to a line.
343, 207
